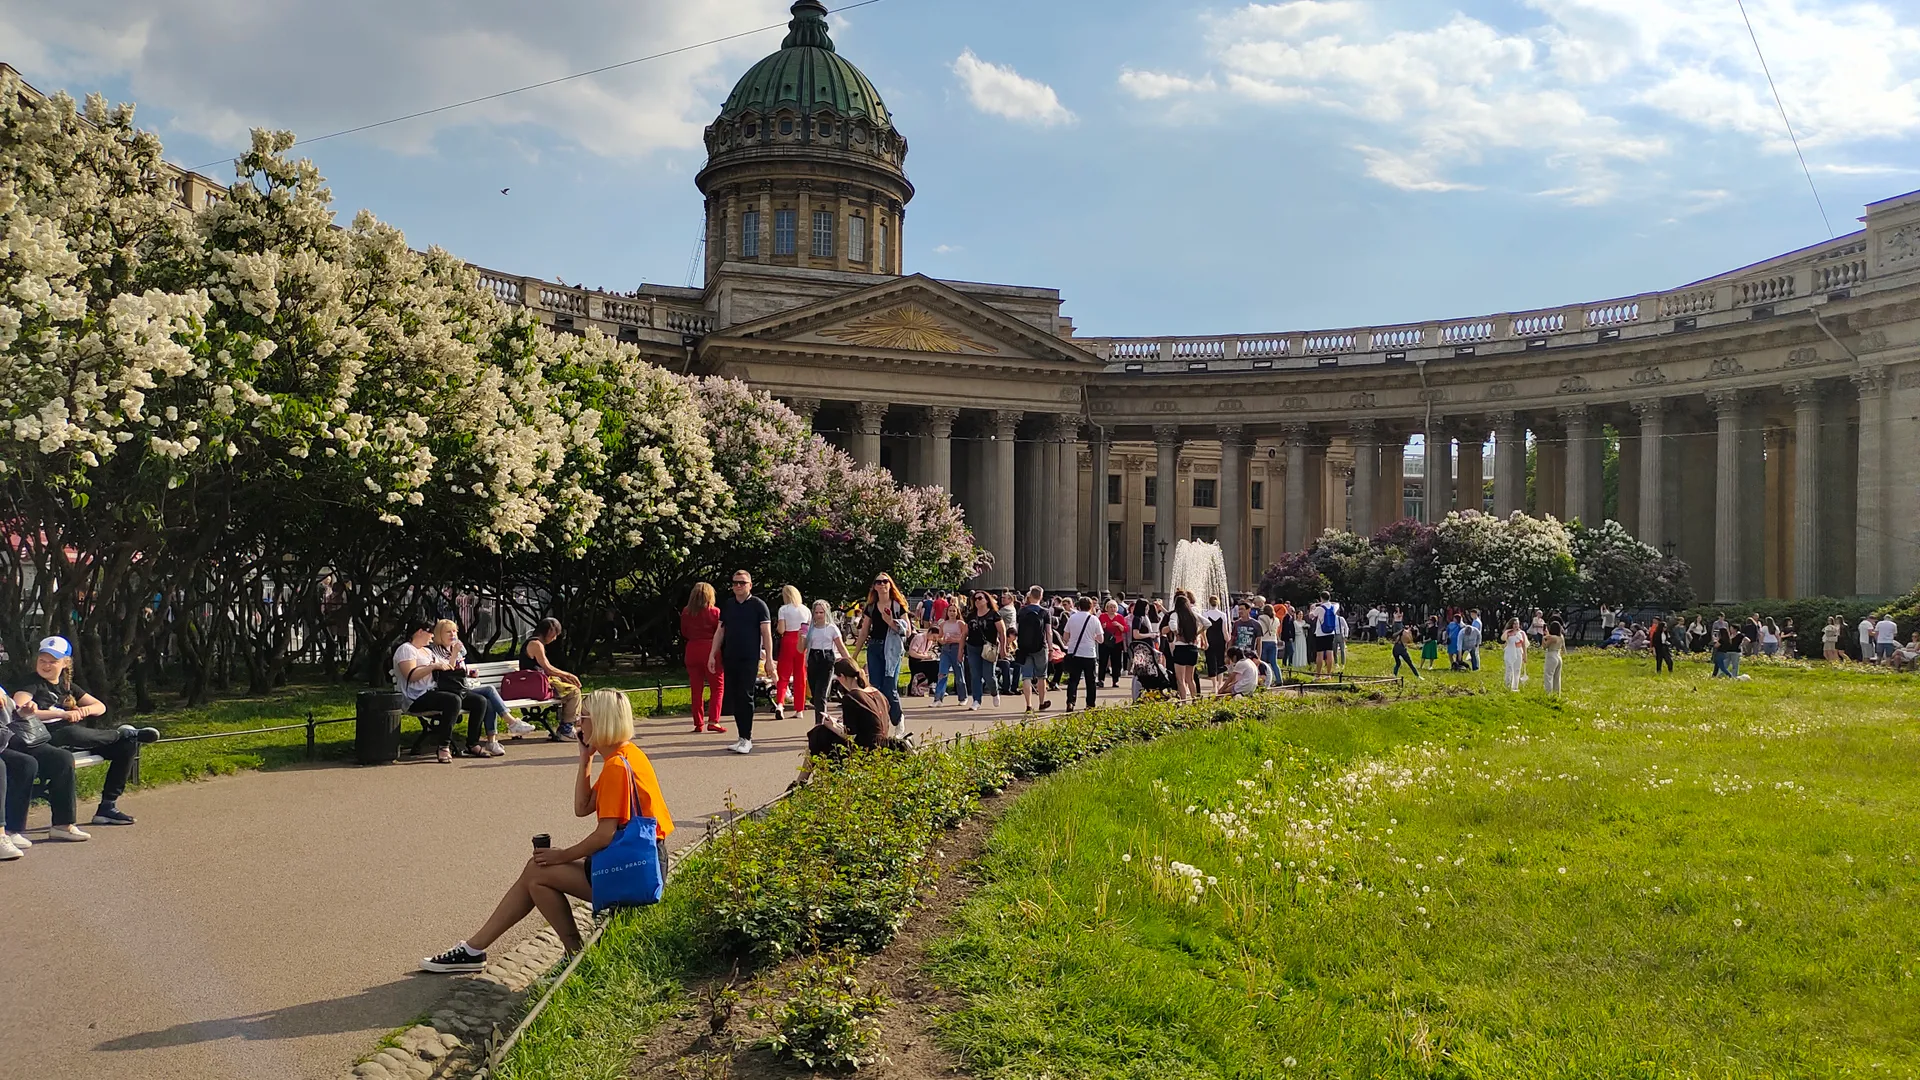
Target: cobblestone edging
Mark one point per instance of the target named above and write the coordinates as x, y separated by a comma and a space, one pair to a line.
453, 1040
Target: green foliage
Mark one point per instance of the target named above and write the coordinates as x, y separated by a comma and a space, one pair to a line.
827, 1020
1810, 614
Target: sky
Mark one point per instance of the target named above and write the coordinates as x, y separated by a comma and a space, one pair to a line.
1172, 168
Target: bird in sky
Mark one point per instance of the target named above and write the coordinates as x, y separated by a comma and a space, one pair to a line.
504, 190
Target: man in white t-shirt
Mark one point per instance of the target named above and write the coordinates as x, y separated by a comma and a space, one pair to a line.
1081, 637
1885, 637
1866, 639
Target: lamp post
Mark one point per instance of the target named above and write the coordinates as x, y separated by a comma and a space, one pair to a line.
1163, 570
1670, 546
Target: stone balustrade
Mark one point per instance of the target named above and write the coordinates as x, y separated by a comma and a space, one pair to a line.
1798, 279
627, 316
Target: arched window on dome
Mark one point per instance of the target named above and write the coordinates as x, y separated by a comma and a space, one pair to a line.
786, 125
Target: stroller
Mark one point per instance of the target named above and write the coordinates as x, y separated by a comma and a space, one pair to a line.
1148, 670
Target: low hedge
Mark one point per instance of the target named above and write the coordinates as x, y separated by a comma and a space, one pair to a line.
1810, 615
840, 864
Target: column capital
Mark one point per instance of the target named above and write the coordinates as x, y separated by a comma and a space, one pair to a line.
1571, 415
940, 420
1167, 434
1650, 407
868, 415
1294, 433
1869, 380
1804, 393
1725, 402
1229, 434
1363, 431
805, 407
1064, 427
1504, 420
1005, 421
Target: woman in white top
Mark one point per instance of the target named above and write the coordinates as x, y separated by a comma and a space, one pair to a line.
1830, 640
1770, 638
414, 670
824, 645
789, 652
1552, 645
1082, 637
1515, 657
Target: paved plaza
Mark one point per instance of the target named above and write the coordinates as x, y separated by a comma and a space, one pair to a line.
268, 924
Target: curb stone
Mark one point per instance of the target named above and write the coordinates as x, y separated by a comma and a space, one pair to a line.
452, 1041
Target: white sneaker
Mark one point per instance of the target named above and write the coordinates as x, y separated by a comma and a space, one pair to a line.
742, 746
8, 852
517, 728
19, 841
494, 748
996, 701
973, 706
70, 833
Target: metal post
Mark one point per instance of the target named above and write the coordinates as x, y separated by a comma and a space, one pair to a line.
659, 700
309, 734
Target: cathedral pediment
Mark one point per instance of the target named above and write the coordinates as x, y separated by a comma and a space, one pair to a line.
912, 318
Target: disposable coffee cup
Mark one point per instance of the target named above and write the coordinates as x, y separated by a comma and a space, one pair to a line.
542, 842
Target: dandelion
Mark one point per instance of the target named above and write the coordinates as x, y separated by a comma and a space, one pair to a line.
1127, 857
1737, 924
1563, 869
1288, 1062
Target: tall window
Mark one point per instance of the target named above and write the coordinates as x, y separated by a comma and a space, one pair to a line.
1147, 570
1153, 491
857, 239
1257, 495
886, 249
1260, 551
784, 223
750, 234
823, 234
1206, 534
1205, 493
1116, 559
1113, 489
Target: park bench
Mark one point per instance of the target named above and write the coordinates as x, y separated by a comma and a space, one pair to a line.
545, 713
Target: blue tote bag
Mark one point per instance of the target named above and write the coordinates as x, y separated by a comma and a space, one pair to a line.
627, 872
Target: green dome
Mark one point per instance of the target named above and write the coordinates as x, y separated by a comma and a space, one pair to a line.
806, 75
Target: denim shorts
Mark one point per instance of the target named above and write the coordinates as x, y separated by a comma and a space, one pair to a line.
1033, 666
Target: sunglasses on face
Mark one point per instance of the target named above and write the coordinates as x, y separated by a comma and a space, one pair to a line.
743, 583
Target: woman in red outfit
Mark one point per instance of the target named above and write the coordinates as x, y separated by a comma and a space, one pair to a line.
789, 627
698, 623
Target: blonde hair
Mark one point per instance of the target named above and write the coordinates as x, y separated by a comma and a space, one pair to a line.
790, 595
448, 625
702, 597
607, 720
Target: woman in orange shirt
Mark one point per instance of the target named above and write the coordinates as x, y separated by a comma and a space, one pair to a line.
553, 874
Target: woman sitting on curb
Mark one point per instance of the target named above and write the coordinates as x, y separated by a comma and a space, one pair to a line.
51, 698
553, 874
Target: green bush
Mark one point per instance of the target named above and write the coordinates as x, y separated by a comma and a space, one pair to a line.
1810, 614
828, 1021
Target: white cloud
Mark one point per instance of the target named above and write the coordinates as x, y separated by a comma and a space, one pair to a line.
947, 249
223, 66
1591, 88
999, 90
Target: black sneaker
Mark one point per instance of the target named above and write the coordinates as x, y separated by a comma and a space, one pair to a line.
455, 961
109, 814
144, 734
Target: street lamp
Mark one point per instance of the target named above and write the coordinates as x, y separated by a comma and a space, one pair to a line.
1163, 570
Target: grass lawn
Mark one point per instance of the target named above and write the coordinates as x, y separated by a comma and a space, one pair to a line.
170, 762
1648, 877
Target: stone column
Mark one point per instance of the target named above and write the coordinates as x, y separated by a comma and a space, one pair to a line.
936, 449
865, 445
805, 408
999, 492
1233, 504
1807, 400
1365, 435
1728, 546
1166, 494
1653, 440
1436, 485
1100, 450
1391, 496
1470, 490
1627, 508
1870, 518
1065, 511
1509, 464
1295, 438
1580, 500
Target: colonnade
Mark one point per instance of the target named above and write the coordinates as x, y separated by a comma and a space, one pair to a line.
1770, 491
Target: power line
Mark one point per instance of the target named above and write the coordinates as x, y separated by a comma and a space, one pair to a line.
548, 82
1783, 116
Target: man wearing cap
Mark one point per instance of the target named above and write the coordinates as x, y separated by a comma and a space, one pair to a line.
50, 697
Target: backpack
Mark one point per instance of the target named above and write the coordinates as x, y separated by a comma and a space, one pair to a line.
1329, 619
1032, 624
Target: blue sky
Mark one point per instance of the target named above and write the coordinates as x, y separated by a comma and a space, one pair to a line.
1173, 169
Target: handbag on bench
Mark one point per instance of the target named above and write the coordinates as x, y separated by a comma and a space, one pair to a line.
526, 686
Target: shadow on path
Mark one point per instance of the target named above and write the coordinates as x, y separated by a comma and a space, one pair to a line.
374, 1007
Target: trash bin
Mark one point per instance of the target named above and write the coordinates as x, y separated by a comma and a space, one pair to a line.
376, 726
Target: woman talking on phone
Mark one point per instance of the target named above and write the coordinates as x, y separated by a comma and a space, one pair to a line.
553, 874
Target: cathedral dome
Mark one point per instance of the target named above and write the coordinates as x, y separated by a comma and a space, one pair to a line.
808, 76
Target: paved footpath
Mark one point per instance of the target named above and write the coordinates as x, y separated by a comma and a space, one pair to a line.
268, 924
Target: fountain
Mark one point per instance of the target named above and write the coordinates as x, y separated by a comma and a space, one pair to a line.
1199, 568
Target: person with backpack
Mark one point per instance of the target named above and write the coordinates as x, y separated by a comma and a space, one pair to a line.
1033, 640
1189, 637
1323, 620
1219, 633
